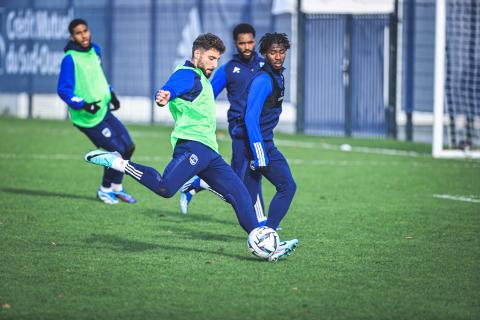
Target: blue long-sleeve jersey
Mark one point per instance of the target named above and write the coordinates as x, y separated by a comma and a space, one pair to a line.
66, 80
184, 83
235, 75
262, 113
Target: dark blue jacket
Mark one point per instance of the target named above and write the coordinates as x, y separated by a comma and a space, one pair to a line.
261, 119
235, 75
66, 80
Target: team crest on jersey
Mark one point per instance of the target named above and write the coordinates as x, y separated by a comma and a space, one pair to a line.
193, 159
236, 70
106, 133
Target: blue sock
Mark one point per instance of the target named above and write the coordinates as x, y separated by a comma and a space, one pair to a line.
196, 184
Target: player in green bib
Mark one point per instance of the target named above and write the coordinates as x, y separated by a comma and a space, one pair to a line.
84, 88
191, 101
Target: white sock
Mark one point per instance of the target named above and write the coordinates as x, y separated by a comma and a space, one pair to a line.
259, 210
119, 164
117, 187
103, 189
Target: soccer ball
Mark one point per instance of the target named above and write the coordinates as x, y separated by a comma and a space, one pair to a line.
263, 241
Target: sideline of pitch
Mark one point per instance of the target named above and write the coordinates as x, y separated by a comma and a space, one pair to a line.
457, 198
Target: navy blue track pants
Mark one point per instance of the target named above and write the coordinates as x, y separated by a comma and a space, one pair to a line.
277, 172
192, 158
111, 135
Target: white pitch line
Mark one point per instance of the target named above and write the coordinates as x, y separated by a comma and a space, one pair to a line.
381, 151
456, 198
329, 146
8, 156
390, 152
291, 161
323, 145
280, 142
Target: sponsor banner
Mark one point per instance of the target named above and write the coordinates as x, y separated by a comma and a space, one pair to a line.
31, 45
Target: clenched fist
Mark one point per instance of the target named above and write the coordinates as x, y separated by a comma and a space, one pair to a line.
162, 97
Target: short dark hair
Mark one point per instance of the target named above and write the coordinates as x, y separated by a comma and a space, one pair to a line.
74, 23
208, 41
243, 28
273, 38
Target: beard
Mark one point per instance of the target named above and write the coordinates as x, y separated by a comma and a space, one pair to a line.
206, 72
244, 57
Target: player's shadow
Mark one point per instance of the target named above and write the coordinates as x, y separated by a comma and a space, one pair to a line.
175, 222
198, 235
176, 216
119, 244
104, 241
42, 193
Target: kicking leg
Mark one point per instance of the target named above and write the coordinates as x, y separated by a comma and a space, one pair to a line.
177, 172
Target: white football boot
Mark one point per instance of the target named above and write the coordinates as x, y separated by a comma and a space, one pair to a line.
107, 159
285, 248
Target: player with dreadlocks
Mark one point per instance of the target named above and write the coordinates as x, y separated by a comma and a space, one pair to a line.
256, 154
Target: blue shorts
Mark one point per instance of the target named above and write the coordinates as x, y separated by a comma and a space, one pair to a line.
111, 135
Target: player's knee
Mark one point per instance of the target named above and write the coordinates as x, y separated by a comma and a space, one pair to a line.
292, 186
166, 192
129, 151
288, 188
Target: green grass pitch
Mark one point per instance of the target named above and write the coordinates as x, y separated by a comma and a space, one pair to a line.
376, 239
